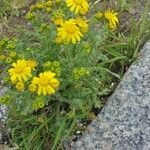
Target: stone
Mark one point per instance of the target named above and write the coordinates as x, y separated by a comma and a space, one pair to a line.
2, 116
2, 107
124, 122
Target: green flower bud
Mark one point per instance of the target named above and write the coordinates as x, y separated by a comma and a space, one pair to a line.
75, 71
8, 60
39, 99
77, 76
34, 106
40, 104
30, 16
88, 73
56, 63
82, 71
47, 64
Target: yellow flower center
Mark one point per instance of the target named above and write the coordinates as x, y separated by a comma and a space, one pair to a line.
18, 70
70, 29
78, 2
43, 81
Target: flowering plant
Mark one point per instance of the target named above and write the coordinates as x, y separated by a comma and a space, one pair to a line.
59, 70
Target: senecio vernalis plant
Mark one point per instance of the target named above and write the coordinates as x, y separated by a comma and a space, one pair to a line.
54, 72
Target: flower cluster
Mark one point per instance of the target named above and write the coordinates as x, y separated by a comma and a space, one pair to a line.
45, 6
45, 84
7, 50
87, 47
39, 6
53, 66
81, 72
44, 27
5, 99
38, 103
58, 17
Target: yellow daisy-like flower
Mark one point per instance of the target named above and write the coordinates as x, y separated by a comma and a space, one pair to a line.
111, 16
31, 63
69, 31
46, 83
78, 6
20, 71
82, 23
20, 86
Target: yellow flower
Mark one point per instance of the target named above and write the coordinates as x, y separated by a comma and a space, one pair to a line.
32, 87
20, 86
111, 16
31, 63
46, 82
82, 23
79, 6
69, 31
20, 71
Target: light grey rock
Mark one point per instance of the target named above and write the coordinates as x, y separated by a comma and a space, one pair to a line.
124, 122
2, 107
2, 115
